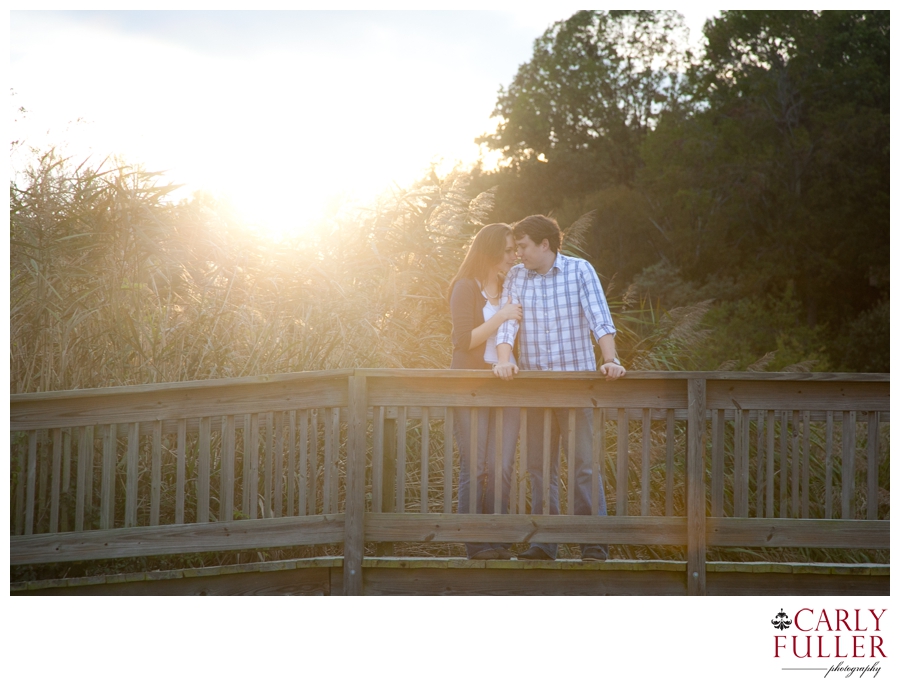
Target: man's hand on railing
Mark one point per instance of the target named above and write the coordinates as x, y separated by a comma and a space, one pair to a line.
613, 370
505, 370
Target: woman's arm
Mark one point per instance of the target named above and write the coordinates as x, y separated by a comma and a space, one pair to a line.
481, 333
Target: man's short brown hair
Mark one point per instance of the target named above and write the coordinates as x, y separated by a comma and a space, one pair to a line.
538, 227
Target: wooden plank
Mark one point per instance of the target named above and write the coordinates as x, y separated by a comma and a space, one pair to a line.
645, 464
21, 454
278, 467
770, 464
795, 464
203, 470
473, 460
89, 478
783, 465
355, 506
30, 483
131, 475
43, 471
799, 395
268, 462
523, 458
670, 463
423, 465
303, 455
829, 464
799, 533
180, 468
172, 401
389, 486
872, 467
441, 528
570, 462
245, 468
292, 462
155, 472
498, 461
55, 480
80, 477
448, 462
254, 466
377, 459
744, 510
696, 490
66, 479
737, 466
760, 463
336, 443
180, 539
401, 460
622, 466
556, 390
314, 462
226, 490
804, 457
545, 498
848, 464
108, 478
597, 458
718, 464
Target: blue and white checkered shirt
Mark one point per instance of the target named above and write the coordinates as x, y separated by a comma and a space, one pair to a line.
560, 309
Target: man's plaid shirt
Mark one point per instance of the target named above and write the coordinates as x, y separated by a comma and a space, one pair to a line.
560, 309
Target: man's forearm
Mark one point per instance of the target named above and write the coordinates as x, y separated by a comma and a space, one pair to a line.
607, 347
503, 353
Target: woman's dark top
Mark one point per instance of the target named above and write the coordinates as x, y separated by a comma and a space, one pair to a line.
467, 314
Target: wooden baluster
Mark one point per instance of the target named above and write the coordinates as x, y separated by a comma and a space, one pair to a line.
770, 464
696, 488
523, 458
389, 475
278, 470
203, 470
292, 461
66, 480
303, 485
546, 472
645, 463
108, 478
54, 481
737, 465
570, 461
155, 472
804, 457
226, 490
848, 464
401, 459
745, 464
131, 474
21, 453
760, 463
473, 459
448, 460
269, 465
670, 462
245, 468
89, 479
30, 482
498, 462
327, 506
872, 466
424, 460
795, 464
253, 497
783, 466
314, 463
354, 527
336, 443
377, 458
829, 463
43, 473
718, 463
80, 478
180, 468
622, 465
597, 457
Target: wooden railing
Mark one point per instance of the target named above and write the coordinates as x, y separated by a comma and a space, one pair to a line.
689, 459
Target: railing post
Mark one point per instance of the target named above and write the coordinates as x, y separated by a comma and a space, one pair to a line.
696, 488
354, 523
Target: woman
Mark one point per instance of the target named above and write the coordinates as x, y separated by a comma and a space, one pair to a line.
477, 312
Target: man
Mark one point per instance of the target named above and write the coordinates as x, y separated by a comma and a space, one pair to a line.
562, 304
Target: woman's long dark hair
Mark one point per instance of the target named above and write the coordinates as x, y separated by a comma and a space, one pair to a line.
486, 251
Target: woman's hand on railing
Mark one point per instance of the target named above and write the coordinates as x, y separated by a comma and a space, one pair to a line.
505, 370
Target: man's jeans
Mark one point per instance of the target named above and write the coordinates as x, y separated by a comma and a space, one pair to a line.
486, 447
583, 450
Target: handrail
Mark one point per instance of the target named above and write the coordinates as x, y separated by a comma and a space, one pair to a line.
301, 430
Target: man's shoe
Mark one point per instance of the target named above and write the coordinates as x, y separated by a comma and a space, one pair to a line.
534, 553
504, 553
597, 553
487, 554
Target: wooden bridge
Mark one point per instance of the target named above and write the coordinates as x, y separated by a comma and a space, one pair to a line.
363, 459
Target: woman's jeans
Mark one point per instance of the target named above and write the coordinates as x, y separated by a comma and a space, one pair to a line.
486, 445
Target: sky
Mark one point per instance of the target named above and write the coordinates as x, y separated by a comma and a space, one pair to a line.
281, 114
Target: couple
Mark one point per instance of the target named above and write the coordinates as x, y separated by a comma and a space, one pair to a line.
553, 303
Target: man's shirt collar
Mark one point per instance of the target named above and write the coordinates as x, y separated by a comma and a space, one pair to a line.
557, 266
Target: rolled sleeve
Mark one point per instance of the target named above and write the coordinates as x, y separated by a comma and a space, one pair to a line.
510, 328
594, 302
